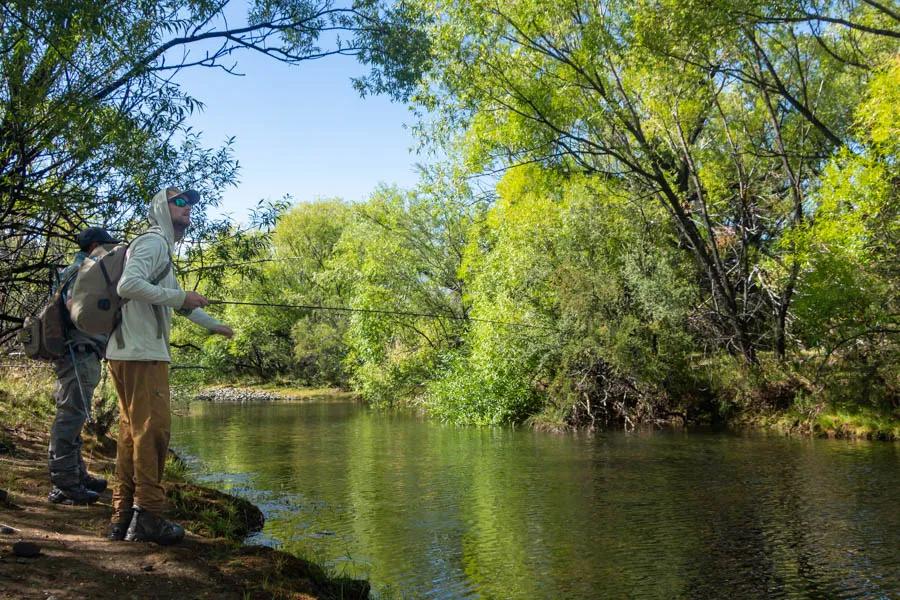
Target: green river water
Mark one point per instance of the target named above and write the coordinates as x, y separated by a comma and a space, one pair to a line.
426, 510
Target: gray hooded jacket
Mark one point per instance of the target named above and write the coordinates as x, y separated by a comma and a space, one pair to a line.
146, 258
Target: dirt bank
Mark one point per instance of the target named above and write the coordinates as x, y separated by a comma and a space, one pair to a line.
76, 560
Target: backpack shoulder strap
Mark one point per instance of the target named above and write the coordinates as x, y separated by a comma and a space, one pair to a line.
65, 282
163, 273
157, 310
168, 267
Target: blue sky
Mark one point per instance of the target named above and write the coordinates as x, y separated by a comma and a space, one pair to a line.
301, 130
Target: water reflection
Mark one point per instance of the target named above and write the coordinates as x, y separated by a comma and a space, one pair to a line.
427, 510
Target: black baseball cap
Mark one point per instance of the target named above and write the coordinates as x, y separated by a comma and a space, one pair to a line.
94, 234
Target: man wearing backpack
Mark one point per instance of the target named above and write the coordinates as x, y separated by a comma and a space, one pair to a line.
77, 375
138, 355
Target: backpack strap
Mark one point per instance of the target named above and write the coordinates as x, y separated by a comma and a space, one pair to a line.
157, 310
60, 296
65, 282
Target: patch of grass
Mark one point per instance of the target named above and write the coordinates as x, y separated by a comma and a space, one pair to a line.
277, 574
176, 470
859, 422
26, 400
212, 513
26, 395
807, 417
206, 511
552, 419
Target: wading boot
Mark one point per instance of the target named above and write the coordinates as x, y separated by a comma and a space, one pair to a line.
73, 495
118, 528
95, 484
147, 527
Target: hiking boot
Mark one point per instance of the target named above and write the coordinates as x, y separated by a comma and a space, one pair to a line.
147, 527
73, 495
95, 484
118, 528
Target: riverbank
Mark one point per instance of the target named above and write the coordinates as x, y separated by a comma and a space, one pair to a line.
814, 420
268, 393
75, 560
856, 424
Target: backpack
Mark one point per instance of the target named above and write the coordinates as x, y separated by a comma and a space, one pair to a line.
96, 305
44, 335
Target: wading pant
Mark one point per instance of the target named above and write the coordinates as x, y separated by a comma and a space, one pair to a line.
144, 427
64, 455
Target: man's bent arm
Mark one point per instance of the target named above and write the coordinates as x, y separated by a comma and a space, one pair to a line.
145, 261
203, 319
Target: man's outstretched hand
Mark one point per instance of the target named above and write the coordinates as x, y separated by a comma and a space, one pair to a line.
223, 330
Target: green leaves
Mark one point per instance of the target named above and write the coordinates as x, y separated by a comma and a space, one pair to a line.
849, 249
405, 248
692, 202
734, 161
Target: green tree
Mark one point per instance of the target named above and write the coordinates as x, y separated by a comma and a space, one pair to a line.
723, 114
599, 300
404, 251
847, 293
304, 273
265, 275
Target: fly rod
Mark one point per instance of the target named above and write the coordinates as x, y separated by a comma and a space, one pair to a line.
375, 311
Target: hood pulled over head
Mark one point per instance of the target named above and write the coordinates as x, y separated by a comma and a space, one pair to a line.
160, 217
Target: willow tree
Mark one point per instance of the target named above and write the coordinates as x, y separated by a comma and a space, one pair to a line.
401, 259
725, 114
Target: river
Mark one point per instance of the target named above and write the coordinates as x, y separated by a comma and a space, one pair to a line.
427, 510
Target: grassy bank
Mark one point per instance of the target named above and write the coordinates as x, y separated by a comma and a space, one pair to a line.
26, 395
831, 422
751, 407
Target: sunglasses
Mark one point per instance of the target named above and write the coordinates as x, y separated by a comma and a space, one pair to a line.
185, 198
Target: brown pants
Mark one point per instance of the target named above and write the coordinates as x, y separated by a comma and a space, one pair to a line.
144, 427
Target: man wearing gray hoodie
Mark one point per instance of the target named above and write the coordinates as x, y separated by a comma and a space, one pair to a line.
138, 356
